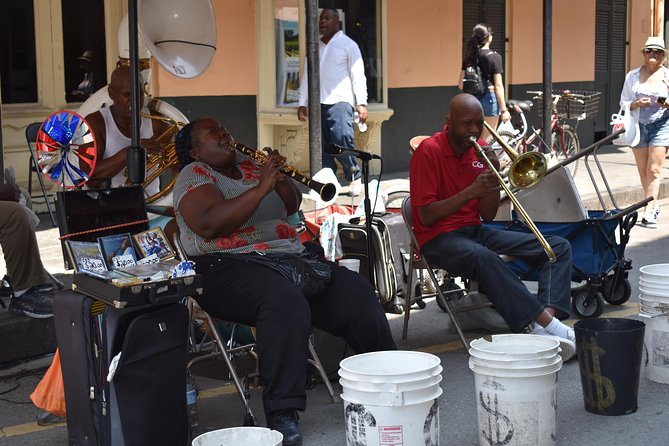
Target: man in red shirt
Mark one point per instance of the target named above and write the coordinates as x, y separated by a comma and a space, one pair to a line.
451, 191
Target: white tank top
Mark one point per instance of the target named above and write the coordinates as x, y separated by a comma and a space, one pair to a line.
117, 141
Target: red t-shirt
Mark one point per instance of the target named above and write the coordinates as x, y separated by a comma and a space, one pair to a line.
436, 173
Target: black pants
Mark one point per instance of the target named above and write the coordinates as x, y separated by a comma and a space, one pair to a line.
252, 294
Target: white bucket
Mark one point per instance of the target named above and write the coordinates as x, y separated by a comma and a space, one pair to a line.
391, 398
514, 347
655, 273
516, 405
654, 290
655, 339
240, 436
654, 297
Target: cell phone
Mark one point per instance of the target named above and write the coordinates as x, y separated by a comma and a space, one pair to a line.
661, 99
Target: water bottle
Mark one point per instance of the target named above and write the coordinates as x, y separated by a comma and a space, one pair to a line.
362, 126
191, 405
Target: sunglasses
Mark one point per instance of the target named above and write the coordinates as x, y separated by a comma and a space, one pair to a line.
653, 51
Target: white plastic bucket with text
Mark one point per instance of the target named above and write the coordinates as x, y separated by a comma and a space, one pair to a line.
240, 436
654, 309
391, 398
656, 339
515, 378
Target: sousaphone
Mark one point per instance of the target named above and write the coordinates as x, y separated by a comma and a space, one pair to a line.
181, 36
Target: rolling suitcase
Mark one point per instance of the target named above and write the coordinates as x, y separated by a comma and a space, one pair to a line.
144, 400
391, 243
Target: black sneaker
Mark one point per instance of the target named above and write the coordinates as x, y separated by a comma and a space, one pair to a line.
47, 419
285, 421
32, 304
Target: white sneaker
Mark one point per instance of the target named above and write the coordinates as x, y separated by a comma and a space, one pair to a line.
355, 188
650, 219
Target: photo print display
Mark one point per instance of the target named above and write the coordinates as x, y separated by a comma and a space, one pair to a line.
154, 241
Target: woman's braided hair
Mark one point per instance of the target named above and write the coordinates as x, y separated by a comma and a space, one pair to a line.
183, 144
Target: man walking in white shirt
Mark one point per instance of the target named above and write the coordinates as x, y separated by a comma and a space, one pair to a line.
343, 91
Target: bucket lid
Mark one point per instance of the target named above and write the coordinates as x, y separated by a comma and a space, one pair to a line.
398, 363
390, 386
515, 373
515, 346
517, 363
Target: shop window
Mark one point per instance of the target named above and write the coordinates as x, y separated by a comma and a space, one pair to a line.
17, 52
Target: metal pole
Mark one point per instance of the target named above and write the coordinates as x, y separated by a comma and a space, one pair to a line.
135, 158
547, 72
314, 87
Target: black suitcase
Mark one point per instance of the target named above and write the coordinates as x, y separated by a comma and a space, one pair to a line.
391, 242
145, 402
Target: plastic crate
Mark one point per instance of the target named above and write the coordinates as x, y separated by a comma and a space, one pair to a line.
582, 105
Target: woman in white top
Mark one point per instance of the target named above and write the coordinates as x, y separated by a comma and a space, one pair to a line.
646, 90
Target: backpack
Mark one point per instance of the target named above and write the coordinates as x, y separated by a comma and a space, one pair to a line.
473, 82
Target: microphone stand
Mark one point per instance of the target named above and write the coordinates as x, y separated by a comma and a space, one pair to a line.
371, 257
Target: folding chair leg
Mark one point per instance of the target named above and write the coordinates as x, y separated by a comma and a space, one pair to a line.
410, 295
316, 362
41, 184
231, 368
448, 309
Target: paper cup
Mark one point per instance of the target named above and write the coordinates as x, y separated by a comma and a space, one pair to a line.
352, 264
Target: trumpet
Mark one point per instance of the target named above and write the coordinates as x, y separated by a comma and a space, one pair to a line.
528, 221
325, 191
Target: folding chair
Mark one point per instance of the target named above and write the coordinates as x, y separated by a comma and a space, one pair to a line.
417, 261
221, 349
31, 138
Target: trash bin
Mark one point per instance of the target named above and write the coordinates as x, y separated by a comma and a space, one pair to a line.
609, 359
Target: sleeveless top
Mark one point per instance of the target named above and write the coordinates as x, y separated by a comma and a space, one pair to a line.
266, 230
117, 141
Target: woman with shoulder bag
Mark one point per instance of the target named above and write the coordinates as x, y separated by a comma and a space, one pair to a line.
646, 90
478, 52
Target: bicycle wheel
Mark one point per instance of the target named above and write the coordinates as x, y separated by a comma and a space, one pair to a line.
565, 145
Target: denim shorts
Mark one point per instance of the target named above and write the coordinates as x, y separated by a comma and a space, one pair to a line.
489, 103
654, 134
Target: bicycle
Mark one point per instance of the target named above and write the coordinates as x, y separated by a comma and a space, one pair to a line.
566, 106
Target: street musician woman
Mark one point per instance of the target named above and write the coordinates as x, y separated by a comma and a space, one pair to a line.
228, 204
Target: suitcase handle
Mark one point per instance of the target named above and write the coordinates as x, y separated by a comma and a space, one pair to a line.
161, 298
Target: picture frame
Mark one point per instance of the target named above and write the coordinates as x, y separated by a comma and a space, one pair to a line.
117, 250
85, 256
154, 241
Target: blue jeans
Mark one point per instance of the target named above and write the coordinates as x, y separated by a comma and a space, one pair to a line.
337, 128
489, 103
654, 134
472, 252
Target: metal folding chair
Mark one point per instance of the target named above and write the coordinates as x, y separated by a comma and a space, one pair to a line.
31, 138
226, 351
449, 297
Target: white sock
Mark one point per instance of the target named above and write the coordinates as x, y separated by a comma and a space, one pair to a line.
558, 328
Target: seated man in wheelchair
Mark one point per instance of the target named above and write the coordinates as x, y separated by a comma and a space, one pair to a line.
451, 191
231, 213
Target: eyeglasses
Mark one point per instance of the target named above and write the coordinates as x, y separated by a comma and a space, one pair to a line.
653, 50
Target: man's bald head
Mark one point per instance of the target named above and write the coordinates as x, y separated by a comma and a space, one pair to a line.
465, 120
463, 103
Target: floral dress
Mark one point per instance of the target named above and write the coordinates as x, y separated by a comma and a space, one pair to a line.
266, 229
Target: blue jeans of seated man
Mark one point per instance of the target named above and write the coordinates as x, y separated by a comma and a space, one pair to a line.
337, 128
472, 252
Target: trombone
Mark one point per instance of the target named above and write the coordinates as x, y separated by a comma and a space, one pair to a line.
525, 171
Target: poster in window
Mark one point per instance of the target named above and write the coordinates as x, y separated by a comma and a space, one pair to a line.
288, 55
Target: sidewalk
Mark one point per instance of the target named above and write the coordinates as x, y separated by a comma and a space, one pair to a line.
617, 163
